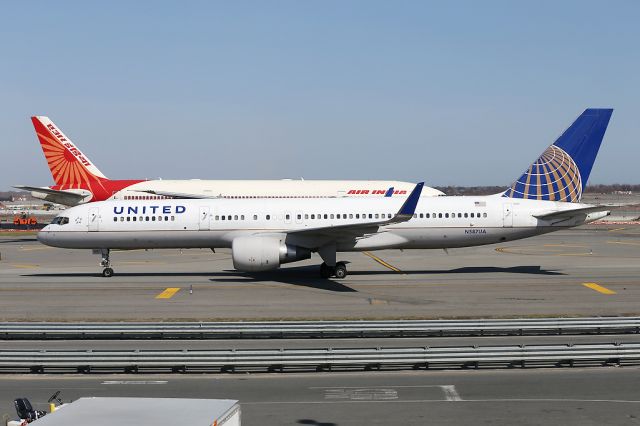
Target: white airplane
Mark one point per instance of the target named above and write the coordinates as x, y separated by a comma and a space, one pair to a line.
266, 233
79, 181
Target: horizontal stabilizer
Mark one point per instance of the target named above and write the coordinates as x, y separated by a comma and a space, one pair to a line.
67, 197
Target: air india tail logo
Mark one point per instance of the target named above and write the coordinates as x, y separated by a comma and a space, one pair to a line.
67, 163
554, 176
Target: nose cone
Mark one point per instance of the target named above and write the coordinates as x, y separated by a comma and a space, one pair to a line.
46, 236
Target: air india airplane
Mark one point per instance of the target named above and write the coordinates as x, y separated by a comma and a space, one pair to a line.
266, 233
79, 181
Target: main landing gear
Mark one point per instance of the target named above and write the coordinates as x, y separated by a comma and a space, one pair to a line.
105, 263
338, 271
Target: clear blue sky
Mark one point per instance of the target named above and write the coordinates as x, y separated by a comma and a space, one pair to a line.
461, 92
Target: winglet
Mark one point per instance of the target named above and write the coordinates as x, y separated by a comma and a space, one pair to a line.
389, 192
409, 206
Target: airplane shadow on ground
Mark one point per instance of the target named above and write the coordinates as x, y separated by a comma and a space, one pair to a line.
18, 240
530, 270
302, 276
308, 276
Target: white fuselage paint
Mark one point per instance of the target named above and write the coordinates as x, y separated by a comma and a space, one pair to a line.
199, 223
284, 188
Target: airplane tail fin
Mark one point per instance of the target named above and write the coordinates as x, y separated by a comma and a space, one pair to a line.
562, 171
68, 165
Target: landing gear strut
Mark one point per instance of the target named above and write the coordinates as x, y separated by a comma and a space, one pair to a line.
338, 271
105, 263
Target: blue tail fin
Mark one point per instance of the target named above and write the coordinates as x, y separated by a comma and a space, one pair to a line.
562, 171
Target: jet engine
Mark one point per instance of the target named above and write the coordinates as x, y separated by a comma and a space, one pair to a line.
252, 254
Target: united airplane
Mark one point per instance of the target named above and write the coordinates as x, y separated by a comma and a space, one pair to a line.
266, 233
79, 181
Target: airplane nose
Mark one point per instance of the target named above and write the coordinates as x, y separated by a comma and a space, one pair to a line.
45, 235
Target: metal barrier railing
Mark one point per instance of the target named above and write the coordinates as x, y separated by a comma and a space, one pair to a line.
325, 329
51, 361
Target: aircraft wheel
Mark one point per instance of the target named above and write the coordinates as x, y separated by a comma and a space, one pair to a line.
325, 270
340, 270
107, 272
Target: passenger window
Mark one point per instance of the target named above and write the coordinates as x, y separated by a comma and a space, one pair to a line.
255, 217
313, 216
134, 218
472, 215
223, 217
173, 218
287, 217
376, 215
121, 218
331, 216
350, 215
466, 215
484, 215
325, 216
299, 216
241, 217
153, 218
115, 219
229, 217
235, 217
446, 215
338, 215
160, 218
128, 219
415, 215
217, 218
427, 215
370, 216
459, 214
268, 217
357, 215
306, 216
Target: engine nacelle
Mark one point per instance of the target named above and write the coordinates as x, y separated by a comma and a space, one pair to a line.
252, 254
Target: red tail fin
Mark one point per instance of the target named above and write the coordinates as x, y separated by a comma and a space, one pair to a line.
69, 167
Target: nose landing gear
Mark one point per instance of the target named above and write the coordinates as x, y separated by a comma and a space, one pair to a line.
105, 263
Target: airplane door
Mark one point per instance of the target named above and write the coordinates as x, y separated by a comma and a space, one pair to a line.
507, 216
94, 219
203, 223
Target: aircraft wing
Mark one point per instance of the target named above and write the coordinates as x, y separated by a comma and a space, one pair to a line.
68, 198
563, 214
179, 195
312, 237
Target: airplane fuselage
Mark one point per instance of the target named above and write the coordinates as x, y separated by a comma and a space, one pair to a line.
438, 222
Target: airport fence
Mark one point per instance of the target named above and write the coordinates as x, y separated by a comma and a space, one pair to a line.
318, 329
326, 359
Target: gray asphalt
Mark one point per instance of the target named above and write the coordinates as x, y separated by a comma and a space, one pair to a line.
608, 396
541, 276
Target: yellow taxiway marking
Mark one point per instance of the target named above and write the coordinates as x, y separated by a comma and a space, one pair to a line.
24, 265
598, 288
617, 229
382, 262
35, 248
629, 243
168, 293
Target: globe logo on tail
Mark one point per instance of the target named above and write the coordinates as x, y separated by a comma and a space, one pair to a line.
554, 176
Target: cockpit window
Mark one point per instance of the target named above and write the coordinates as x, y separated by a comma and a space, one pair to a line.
60, 220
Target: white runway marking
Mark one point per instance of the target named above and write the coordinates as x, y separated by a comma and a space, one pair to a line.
450, 393
135, 382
